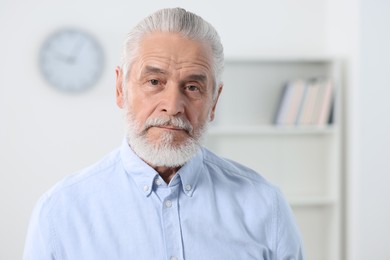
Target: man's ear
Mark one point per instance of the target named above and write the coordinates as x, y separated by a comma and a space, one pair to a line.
212, 114
119, 88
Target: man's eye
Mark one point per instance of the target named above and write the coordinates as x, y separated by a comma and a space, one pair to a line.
192, 88
154, 82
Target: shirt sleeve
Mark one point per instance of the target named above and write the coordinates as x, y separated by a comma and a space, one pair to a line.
288, 239
39, 242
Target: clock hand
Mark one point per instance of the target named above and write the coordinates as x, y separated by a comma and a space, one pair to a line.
76, 50
60, 56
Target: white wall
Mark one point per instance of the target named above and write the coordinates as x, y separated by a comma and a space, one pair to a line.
374, 208
45, 134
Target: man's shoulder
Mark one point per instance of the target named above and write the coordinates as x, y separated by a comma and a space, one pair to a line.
84, 180
240, 181
234, 169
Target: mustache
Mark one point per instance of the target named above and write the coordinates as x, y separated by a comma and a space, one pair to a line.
176, 122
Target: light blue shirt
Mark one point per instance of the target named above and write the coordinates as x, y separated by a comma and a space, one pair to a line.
120, 208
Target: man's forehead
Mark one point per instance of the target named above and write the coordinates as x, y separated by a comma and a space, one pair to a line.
189, 74
168, 53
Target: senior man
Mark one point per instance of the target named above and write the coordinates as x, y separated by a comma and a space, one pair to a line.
161, 195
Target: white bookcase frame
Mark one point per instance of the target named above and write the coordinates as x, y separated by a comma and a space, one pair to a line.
305, 162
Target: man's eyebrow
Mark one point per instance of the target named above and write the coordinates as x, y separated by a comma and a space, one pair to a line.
156, 70
197, 77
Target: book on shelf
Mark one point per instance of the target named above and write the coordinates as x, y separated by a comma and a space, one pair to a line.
326, 103
283, 104
290, 102
305, 102
308, 106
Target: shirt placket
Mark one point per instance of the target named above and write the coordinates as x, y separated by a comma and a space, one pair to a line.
171, 223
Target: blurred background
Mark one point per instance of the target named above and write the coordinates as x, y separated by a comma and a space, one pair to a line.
342, 209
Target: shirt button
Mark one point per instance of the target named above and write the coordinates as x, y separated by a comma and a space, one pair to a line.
168, 204
146, 188
158, 181
173, 258
188, 187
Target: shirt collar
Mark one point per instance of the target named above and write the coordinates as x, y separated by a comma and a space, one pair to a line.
144, 175
189, 173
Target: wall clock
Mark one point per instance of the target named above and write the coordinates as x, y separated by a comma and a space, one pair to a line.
71, 60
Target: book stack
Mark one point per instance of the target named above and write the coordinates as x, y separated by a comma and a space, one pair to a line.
306, 102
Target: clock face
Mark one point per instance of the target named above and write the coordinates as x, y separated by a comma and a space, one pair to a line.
71, 60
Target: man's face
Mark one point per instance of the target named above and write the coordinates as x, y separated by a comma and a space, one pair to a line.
170, 79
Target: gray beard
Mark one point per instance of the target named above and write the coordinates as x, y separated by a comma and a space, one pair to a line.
164, 152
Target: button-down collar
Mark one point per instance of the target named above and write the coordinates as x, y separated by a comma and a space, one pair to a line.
142, 174
190, 172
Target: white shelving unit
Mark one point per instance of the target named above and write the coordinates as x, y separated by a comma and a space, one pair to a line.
305, 162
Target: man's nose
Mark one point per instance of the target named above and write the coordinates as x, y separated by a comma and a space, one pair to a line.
173, 102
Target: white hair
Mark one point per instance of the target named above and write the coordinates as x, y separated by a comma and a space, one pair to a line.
175, 20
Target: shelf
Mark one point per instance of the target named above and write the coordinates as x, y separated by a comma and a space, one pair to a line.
271, 130
312, 202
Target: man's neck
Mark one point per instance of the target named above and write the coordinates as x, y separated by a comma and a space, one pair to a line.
167, 173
